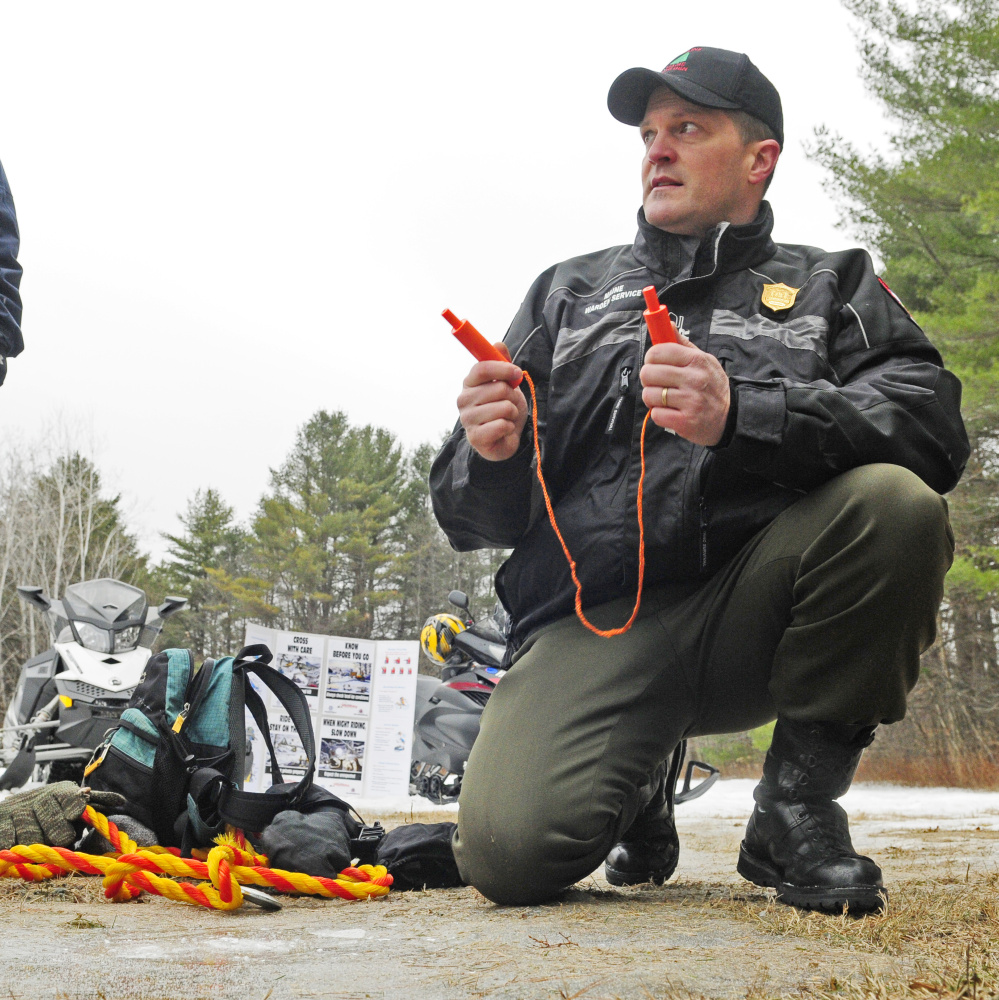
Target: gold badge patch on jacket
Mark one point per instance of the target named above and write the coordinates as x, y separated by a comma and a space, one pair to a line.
779, 297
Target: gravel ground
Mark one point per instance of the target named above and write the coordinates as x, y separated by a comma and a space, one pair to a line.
706, 934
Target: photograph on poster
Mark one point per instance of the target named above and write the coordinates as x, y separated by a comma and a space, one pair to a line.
288, 749
302, 669
341, 749
348, 676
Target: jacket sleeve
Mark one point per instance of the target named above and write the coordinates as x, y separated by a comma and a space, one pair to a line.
892, 400
482, 504
10, 275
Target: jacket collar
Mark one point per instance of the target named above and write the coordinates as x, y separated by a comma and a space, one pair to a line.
725, 249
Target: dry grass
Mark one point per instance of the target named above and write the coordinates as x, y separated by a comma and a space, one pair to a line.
939, 913
930, 772
937, 772
944, 931
72, 888
963, 983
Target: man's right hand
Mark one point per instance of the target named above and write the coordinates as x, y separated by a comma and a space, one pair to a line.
492, 412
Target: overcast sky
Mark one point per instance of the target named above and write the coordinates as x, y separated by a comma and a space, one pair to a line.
235, 214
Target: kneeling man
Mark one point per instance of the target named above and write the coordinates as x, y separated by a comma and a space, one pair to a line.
795, 537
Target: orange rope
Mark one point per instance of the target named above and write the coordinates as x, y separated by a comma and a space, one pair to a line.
605, 633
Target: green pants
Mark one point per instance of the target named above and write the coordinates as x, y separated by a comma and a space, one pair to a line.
821, 617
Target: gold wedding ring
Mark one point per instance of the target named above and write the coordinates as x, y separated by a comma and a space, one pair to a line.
665, 390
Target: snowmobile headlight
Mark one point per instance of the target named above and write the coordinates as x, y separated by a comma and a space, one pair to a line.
97, 639
127, 638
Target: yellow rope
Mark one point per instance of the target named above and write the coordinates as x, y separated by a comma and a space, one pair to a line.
230, 863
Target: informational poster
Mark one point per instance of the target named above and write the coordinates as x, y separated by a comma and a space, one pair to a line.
361, 695
390, 739
348, 676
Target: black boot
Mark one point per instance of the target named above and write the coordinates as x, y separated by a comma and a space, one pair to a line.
649, 851
798, 839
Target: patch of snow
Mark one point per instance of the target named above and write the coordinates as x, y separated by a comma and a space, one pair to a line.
945, 807
228, 944
732, 798
248, 946
384, 805
145, 952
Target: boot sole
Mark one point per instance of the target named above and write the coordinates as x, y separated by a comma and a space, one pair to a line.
617, 877
830, 899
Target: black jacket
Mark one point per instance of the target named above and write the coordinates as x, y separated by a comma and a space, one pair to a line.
842, 378
10, 276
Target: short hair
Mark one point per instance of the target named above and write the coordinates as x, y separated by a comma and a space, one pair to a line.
753, 130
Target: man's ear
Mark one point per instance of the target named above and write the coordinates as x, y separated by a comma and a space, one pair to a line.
764, 161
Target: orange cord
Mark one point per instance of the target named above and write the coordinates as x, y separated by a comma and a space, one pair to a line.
605, 633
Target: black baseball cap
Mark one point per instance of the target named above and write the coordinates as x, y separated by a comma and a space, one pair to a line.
713, 78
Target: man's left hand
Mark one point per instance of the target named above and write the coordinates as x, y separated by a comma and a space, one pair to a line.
697, 393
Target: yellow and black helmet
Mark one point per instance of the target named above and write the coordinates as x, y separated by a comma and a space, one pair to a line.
437, 635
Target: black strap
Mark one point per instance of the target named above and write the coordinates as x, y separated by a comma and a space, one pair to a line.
171, 770
258, 651
252, 811
292, 701
256, 706
133, 728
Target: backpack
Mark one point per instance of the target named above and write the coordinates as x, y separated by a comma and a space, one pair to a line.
177, 753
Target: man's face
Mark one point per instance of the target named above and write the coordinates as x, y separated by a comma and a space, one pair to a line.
695, 172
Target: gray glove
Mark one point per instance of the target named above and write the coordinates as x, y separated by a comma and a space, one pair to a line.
46, 815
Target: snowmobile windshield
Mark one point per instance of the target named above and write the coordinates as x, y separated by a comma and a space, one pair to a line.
106, 615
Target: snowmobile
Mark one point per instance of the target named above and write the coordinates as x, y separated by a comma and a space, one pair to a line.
448, 708
69, 696
472, 655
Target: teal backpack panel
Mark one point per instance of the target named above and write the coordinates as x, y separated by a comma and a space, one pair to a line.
210, 723
131, 743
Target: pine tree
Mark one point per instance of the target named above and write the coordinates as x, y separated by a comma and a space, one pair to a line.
322, 535
209, 565
929, 207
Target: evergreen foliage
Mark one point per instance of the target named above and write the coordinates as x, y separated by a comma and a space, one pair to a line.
209, 564
929, 207
344, 542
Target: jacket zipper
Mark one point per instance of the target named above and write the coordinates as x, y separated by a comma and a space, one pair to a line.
703, 520
624, 384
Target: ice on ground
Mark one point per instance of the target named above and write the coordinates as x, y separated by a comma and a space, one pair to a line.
196, 949
385, 805
732, 798
948, 808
